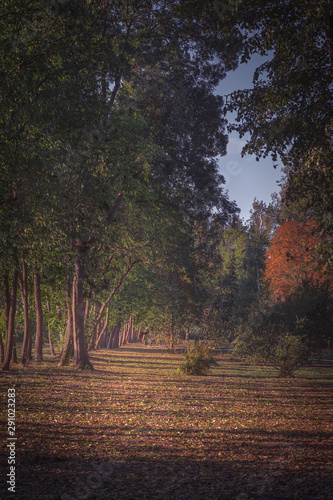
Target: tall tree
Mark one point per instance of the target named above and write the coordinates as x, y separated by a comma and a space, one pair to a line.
11, 301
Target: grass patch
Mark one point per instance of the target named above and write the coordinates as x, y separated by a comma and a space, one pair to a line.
134, 428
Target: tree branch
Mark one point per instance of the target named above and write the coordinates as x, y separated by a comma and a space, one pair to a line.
113, 292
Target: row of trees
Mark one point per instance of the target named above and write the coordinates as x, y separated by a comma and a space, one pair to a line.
276, 293
109, 135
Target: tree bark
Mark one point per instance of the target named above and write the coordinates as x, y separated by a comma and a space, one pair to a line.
131, 330
81, 359
96, 329
86, 313
115, 207
98, 342
2, 349
10, 320
14, 353
23, 282
122, 335
30, 341
7, 303
69, 330
114, 337
143, 336
172, 334
39, 319
109, 342
52, 351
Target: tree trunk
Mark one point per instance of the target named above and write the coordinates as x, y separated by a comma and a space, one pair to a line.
96, 329
30, 341
143, 336
172, 334
103, 331
133, 331
69, 330
7, 305
7, 297
59, 312
39, 319
129, 331
49, 331
86, 313
109, 342
136, 334
52, 351
81, 359
114, 337
2, 349
23, 282
124, 335
121, 335
10, 320
14, 353
116, 343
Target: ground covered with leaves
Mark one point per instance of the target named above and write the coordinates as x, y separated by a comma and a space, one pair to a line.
136, 429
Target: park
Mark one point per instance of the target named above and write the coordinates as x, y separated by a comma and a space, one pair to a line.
166, 316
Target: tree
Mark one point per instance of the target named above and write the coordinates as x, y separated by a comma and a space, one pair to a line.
236, 287
10, 311
222, 308
289, 110
289, 260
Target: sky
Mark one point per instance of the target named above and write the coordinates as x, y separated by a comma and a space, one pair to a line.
245, 177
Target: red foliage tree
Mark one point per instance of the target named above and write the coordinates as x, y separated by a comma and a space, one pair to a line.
290, 258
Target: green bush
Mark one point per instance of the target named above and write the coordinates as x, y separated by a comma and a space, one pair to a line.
291, 352
289, 332
198, 360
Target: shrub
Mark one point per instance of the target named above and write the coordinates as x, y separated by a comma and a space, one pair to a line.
290, 353
198, 360
289, 332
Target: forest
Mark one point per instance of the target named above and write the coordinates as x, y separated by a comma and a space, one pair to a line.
126, 269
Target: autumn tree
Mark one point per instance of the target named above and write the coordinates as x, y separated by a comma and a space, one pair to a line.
289, 260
